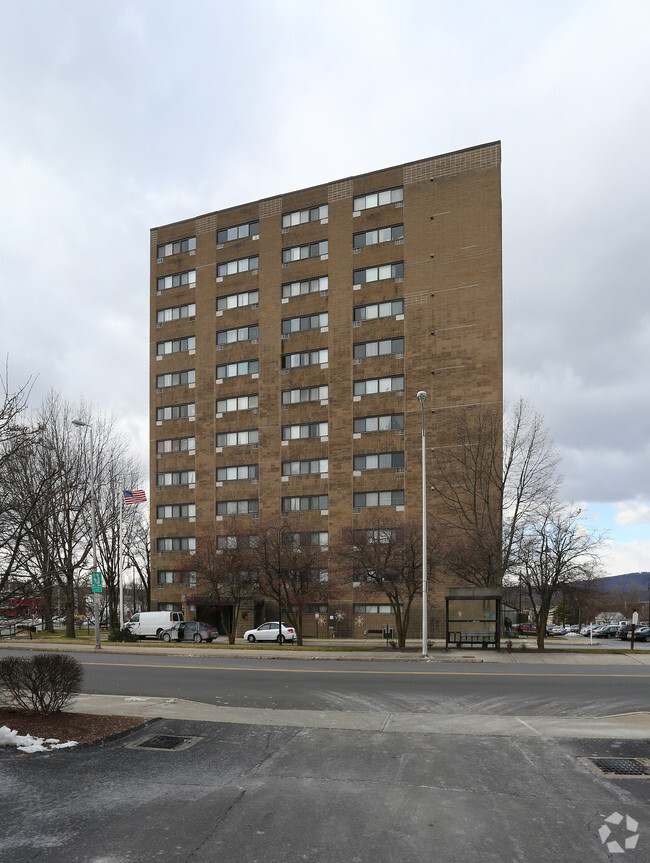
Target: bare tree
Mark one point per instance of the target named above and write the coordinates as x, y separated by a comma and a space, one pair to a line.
18, 435
384, 559
136, 540
291, 570
225, 565
491, 475
553, 552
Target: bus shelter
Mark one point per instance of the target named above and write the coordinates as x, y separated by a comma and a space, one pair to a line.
473, 617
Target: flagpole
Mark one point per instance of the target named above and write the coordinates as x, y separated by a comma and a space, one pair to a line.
119, 565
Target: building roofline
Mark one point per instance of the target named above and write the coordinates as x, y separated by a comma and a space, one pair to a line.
331, 182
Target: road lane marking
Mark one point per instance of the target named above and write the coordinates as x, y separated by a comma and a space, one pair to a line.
429, 673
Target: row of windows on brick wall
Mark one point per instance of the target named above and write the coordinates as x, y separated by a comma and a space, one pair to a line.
318, 213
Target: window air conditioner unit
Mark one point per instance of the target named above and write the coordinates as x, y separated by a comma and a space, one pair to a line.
357, 361
160, 260
254, 445
399, 431
324, 293
399, 470
255, 515
399, 356
356, 510
356, 323
254, 341
159, 324
285, 371
399, 393
255, 305
219, 347
285, 335
254, 410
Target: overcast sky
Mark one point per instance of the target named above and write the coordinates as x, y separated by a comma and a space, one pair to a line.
116, 117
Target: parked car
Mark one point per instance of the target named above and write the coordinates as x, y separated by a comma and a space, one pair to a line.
610, 631
625, 631
189, 630
269, 632
553, 629
642, 633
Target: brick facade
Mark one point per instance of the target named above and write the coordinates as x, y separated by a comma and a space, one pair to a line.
451, 325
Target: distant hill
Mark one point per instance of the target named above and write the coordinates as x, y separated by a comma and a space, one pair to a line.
627, 581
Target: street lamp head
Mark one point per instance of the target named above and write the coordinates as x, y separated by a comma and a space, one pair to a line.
421, 396
79, 423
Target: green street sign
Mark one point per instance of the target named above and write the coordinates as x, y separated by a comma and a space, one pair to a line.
97, 582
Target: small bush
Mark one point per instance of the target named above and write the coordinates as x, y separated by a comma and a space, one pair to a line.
43, 684
124, 634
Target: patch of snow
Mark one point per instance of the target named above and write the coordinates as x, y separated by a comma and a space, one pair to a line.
135, 698
27, 743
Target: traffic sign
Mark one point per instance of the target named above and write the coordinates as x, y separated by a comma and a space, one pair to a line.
97, 582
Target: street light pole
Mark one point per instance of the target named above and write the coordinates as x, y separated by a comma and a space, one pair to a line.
422, 397
93, 507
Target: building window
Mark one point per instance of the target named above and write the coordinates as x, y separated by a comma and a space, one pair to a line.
176, 346
234, 370
177, 280
310, 539
306, 286
305, 503
304, 430
317, 576
385, 422
241, 471
369, 387
377, 274
240, 540
171, 576
372, 609
242, 265
238, 403
301, 217
175, 379
176, 543
378, 199
238, 232
378, 310
304, 323
379, 235
380, 348
236, 301
238, 334
176, 444
238, 507
175, 412
305, 358
178, 247
378, 498
301, 253
176, 313
176, 477
305, 394
379, 460
247, 437
381, 536
302, 468
176, 510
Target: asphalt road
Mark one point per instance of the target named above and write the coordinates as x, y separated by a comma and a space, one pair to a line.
256, 793
546, 690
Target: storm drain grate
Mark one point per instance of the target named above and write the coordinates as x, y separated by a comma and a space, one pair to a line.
622, 766
638, 768
166, 742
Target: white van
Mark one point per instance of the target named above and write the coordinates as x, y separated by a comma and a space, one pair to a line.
152, 623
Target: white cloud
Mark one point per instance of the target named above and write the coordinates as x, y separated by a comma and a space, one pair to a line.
633, 512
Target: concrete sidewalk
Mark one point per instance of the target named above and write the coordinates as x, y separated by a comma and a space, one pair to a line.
630, 726
553, 656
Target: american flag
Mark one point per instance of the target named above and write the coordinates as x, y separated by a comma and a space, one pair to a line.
134, 496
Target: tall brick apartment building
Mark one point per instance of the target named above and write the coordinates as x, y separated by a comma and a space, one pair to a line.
289, 337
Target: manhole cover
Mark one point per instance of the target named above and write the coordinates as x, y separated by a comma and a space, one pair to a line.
631, 768
166, 742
